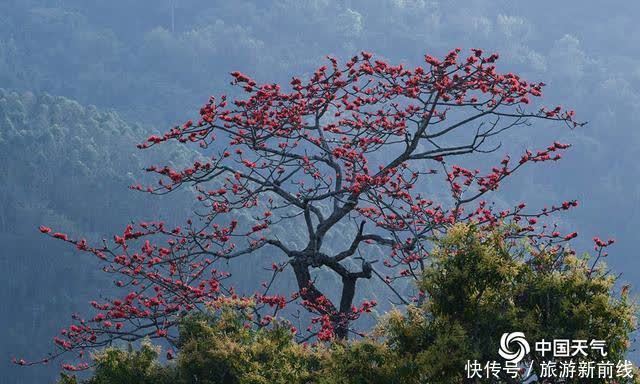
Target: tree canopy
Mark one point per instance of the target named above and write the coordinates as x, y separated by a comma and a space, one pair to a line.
308, 156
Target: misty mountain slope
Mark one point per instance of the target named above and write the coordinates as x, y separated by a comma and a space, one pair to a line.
66, 166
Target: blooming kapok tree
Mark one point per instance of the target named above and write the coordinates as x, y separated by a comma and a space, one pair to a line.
350, 146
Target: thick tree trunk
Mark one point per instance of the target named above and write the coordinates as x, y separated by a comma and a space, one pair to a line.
346, 301
339, 317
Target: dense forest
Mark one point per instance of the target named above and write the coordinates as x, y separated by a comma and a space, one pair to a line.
61, 167
82, 82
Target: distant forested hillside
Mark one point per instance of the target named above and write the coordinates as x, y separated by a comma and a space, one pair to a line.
69, 167
66, 166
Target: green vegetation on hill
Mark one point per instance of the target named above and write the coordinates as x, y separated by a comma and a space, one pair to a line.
69, 167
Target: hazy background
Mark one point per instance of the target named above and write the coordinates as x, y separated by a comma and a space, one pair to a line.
82, 81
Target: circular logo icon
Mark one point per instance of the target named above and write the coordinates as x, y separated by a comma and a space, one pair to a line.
518, 339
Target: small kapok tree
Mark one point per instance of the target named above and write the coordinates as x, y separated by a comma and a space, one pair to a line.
350, 147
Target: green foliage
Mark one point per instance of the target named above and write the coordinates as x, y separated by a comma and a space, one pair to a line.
480, 286
118, 366
221, 350
367, 361
215, 350
477, 287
